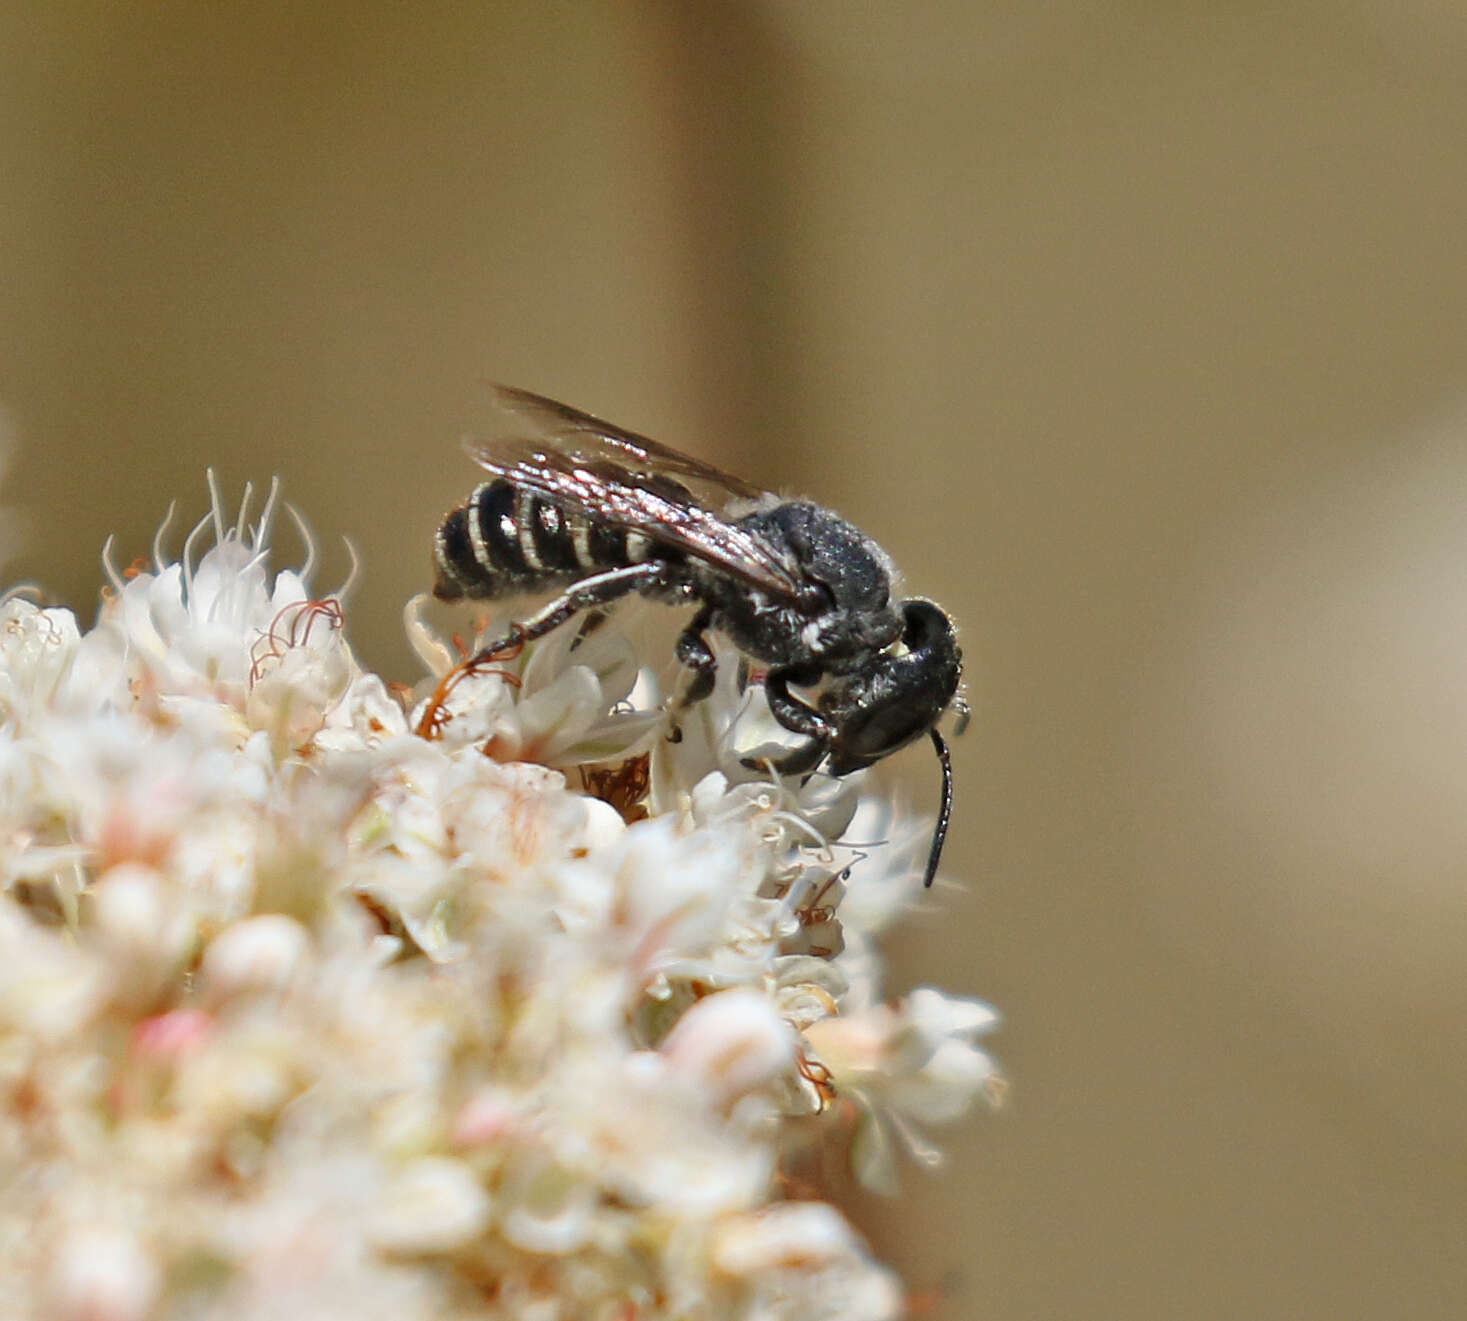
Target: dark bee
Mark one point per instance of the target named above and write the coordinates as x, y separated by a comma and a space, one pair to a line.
580, 506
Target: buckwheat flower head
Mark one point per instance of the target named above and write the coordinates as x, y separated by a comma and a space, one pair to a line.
518, 992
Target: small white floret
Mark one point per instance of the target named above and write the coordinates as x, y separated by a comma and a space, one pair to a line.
434, 1205
101, 1274
257, 954
732, 1043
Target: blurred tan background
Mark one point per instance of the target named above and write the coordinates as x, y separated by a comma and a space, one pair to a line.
1135, 331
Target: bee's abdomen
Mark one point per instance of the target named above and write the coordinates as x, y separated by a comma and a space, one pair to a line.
506, 540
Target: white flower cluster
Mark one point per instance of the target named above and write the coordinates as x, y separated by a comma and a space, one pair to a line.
505, 998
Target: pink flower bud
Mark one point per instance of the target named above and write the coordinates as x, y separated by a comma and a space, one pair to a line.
732, 1042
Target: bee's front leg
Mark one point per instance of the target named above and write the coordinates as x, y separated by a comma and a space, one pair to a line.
798, 717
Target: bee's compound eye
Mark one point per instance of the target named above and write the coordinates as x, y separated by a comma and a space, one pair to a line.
878, 730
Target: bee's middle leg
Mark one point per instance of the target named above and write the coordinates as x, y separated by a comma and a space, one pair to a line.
694, 653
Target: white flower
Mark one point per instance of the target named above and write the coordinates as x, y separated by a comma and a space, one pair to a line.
36, 648
102, 1274
433, 1205
254, 954
506, 999
731, 1043
915, 1061
560, 701
802, 1258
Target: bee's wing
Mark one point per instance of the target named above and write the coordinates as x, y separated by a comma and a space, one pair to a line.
571, 431
616, 477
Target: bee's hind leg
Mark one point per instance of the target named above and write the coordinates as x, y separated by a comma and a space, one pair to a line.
599, 590
590, 623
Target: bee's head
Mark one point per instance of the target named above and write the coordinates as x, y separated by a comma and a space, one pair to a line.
898, 694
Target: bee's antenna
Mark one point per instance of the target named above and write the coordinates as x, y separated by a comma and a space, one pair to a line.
944, 815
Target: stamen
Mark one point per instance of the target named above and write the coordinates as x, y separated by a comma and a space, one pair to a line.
356, 565
218, 506
244, 509
267, 515
920, 1150
108, 567
436, 657
796, 823
301, 526
255, 561
187, 561
160, 558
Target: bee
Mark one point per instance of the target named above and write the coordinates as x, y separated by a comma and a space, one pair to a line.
581, 507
